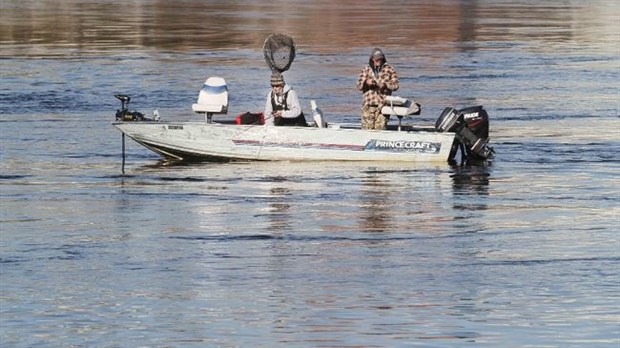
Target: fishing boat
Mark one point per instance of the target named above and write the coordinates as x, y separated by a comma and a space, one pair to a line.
244, 137
223, 140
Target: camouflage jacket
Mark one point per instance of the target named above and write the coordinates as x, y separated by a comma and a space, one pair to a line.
373, 95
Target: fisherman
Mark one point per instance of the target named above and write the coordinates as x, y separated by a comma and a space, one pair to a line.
376, 81
282, 107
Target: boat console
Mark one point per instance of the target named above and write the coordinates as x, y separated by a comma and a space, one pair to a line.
213, 98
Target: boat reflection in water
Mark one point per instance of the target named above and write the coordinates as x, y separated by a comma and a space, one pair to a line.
376, 203
279, 208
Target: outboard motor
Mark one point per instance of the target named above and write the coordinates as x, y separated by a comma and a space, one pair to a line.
471, 126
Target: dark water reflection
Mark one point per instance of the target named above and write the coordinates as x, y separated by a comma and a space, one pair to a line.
471, 178
522, 251
69, 27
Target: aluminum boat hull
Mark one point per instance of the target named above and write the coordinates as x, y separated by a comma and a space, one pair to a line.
222, 142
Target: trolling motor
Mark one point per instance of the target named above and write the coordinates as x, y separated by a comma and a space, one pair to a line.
471, 126
124, 114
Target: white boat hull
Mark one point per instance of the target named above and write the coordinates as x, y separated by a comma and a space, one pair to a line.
215, 141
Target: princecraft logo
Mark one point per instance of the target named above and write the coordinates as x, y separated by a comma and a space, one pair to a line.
403, 146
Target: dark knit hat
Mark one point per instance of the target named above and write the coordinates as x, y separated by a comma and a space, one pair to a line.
277, 79
377, 54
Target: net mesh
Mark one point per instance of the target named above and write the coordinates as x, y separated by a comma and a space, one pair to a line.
279, 51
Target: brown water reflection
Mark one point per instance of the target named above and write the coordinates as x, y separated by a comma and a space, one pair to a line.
375, 203
35, 28
279, 205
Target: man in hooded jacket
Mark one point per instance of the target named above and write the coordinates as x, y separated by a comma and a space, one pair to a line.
376, 81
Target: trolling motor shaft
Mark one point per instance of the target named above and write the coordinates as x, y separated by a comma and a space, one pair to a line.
124, 98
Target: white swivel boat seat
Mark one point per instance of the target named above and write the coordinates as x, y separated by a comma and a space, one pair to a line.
399, 106
213, 98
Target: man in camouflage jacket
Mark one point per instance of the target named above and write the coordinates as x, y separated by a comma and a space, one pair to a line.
376, 81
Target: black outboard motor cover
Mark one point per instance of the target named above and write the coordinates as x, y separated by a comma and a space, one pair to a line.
449, 119
471, 126
477, 120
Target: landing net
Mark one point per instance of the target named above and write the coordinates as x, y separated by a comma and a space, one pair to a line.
279, 51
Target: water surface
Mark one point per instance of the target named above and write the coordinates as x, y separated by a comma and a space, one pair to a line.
520, 252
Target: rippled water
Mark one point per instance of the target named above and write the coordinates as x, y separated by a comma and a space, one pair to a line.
521, 252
